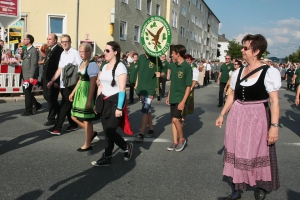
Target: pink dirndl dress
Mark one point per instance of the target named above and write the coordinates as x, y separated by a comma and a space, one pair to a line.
248, 160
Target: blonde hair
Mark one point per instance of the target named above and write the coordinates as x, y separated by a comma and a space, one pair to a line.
86, 46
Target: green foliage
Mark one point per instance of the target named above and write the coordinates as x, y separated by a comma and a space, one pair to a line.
234, 49
294, 57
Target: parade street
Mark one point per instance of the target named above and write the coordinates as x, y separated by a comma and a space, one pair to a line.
36, 165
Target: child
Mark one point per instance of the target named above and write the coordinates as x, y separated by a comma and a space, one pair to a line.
181, 81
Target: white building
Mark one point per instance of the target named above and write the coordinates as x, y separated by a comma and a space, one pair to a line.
223, 42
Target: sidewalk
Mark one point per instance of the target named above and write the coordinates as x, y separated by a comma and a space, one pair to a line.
19, 98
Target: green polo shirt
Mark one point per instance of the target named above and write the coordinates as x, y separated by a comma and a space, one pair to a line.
181, 77
297, 73
147, 81
165, 67
225, 69
133, 69
194, 66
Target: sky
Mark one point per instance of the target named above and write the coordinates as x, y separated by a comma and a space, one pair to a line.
277, 20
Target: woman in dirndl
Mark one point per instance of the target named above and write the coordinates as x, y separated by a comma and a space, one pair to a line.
83, 95
252, 123
189, 107
201, 69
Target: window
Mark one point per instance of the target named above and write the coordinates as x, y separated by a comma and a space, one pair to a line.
189, 6
149, 5
174, 19
124, 1
183, 10
57, 24
198, 4
138, 4
194, 2
175, 1
182, 31
123, 30
157, 9
136, 34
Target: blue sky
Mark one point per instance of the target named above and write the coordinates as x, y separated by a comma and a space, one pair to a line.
277, 20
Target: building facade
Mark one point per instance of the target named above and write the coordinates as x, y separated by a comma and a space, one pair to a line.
99, 21
223, 42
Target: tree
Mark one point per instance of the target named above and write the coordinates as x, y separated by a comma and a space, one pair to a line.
234, 49
265, 54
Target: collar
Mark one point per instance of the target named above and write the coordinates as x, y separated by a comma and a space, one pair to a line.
68, 51
53, 47
29, 47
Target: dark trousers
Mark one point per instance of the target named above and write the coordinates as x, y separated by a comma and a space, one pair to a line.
51, 96
65, 108
221, 93
216, 74
30, 100
131, 91
289, 83
110, 126
162, 82
206, 78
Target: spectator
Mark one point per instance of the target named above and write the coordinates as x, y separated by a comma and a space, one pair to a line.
8, 58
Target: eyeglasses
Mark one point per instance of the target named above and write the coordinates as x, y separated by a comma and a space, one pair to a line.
64, 42
227, 58
83, 51
246, 48
236, 64
106, 50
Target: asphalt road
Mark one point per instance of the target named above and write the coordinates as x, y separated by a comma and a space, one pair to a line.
35, 165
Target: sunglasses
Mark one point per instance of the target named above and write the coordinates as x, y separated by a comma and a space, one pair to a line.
106, 50
236, 64
245, 48
227, 58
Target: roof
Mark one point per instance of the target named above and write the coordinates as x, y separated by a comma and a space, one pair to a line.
222, 38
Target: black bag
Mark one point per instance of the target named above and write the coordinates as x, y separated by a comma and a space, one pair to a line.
70, 75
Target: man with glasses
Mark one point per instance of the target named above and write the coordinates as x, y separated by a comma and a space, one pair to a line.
69, 55
223, 78
49, 69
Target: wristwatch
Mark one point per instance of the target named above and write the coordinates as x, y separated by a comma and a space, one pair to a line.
275, 124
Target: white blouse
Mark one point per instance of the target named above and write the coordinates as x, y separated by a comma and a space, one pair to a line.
272, 80
93, 69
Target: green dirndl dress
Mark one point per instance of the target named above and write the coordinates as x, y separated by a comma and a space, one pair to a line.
189, 107
80, 98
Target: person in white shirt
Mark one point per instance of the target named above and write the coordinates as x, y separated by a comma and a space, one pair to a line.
207, 72
69, 55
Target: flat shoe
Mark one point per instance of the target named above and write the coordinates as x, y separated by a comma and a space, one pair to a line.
83, 150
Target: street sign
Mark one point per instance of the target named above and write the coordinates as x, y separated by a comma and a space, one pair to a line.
9, 12
9, 8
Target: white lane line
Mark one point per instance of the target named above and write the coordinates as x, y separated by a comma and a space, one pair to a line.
292, 144
131, 139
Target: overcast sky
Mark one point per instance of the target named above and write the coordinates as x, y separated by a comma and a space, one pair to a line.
277, 20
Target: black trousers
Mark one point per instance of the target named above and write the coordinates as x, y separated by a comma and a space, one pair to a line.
162, 82
216, 74
206, 78
221, 93
30, 100
65, 108
110, 126
289, 83
51, 96
131, 91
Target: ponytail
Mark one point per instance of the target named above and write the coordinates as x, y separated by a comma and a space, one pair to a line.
113, 82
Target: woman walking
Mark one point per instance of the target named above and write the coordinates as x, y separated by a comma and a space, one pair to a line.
111, 104
252, 123
83, 103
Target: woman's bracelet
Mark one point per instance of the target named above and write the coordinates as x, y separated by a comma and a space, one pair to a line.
119, 109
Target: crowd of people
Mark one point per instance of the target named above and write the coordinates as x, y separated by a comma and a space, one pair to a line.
250, 85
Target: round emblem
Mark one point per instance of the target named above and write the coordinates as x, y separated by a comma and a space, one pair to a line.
156, 36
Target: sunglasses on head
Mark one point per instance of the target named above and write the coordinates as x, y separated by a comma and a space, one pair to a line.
106, 50
245, 48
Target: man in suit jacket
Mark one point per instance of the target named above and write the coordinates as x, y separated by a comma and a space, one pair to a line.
49, 69
30, 71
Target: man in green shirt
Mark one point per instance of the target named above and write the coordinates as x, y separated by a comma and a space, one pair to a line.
146, 85
162, 79
181, 81
132, 76
223, 77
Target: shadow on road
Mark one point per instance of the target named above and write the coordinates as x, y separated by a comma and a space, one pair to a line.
292, 195
293, 124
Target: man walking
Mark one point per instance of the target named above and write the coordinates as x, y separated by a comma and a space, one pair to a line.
30, 72
132, 77
69, 55
49, 69
207, 72
223, 78
163, 78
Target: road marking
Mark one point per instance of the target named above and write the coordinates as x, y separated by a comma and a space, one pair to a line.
292, 144
131, 139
